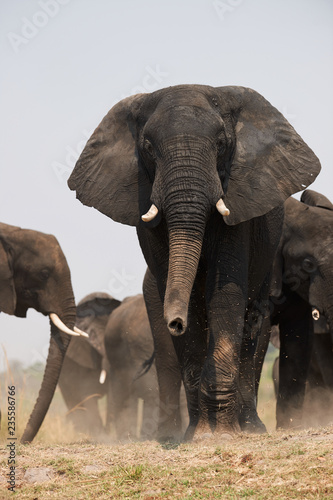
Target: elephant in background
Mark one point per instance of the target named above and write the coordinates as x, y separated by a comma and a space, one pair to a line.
302, 303
85, 374
120, 344
317, 408
202, 173
130, 351
34, 274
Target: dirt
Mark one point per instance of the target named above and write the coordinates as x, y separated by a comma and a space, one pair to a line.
273, 465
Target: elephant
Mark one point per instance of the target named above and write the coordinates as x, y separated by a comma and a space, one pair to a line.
85, 373
120, 344
34, 274
302, 302
130, 352
317, 408
202, 173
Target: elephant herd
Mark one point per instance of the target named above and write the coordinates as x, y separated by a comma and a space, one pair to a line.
206, 176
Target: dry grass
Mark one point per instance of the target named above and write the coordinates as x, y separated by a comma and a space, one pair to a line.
277, 465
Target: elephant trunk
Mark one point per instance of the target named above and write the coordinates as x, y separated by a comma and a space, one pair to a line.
184, 254
187, 188
58, 346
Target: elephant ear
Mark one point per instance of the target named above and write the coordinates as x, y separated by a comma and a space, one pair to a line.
96, 304
315, 199
92, 314
106, 174
7, 287
271, 161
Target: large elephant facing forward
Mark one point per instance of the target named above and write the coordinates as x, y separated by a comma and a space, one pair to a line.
303, 289
202, 173
34, 273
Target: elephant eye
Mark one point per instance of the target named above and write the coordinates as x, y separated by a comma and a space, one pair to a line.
220, 144
147, 146
44, 275
308, 265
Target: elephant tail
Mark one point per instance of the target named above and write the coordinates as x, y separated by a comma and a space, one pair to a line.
145, 367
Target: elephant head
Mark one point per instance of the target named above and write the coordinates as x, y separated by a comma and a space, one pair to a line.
92, 314
34, 274
304, 260
176, 155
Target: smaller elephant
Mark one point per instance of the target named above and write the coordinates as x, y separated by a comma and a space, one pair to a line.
318, 398
116, 361
85, 376
302, 291
130, 350
34, 273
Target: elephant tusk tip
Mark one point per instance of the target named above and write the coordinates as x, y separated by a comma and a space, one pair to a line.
151, 214
222, 209
315, 314
102, 377
61, 326
80, 332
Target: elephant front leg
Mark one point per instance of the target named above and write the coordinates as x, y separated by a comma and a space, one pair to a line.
296, 339
218, 399
167, 367
248, 416
254, 346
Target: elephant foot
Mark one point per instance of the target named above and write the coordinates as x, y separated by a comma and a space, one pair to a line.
291, 418
213, 437
165, 439
166, 435
204, 432
253, 427
250, 422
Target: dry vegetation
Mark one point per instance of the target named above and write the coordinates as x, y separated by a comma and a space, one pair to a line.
60, 465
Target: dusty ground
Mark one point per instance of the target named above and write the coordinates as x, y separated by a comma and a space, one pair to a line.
60, 465
276, 465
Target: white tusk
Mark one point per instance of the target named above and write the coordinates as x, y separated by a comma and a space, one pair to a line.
102, 377
222, 208
80, 332
59, 324
315, 314
151, 214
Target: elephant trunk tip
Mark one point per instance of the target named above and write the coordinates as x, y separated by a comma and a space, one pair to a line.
176, 326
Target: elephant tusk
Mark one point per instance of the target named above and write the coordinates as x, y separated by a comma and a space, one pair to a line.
102, 377
59, 324
80, 332
315, 314
222, 208
151, 214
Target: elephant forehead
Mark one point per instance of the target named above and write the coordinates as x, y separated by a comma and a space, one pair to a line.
95, 295
195, 95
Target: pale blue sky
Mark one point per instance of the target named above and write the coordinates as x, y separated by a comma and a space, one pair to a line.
66, 62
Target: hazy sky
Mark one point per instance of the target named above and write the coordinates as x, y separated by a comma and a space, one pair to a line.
66, 62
